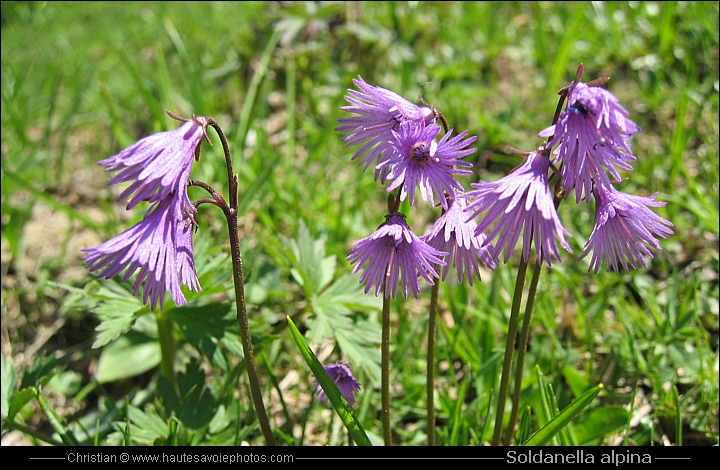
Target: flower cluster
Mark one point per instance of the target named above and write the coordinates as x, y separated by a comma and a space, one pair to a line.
586, 149
160, 246
592, 141
401, 139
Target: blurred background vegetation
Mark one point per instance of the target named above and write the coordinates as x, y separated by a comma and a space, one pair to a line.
82, 80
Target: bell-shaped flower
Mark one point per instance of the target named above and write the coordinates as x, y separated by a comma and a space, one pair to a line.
393, 252
625, 230
519, 204
592, 137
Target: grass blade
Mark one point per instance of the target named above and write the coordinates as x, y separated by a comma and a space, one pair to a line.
342, 408
555, 425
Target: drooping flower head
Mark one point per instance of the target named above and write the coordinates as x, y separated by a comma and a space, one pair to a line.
160, 246
379, 112
343, 378
394, 251
624, 229
159, 165
520, 203
418, 160
453, 233
592, 138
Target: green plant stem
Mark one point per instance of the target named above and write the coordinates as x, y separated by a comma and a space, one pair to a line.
32, 432
385, 366
432, 328
55, 420
509, 349
522, 349
167, 347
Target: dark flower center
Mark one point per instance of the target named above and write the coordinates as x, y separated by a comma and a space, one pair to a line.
420, 152
579, 109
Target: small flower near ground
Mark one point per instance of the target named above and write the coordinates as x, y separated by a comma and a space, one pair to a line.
379, 112
343, 378
394, 251
592, 137
624, 228
453, 233
418, 160
519, 204
160, 246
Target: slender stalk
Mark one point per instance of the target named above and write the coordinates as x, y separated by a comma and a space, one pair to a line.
522, 349
525, 331
432, 328
385, 366
251, 368
232, 219
167, 347
32, 433
509, 349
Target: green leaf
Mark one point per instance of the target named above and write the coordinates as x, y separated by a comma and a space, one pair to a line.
208, 327
116, 317
128, 356
66, 382
558, 423
18, 400
575, 380
311, 269
8, 373
360, 344
327, 320
348, 292
600, 423
339, 403
357, 336
193, 403
523, 431
146, 428
42, 370
57, 423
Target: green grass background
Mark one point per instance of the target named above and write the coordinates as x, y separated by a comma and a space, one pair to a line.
82, 80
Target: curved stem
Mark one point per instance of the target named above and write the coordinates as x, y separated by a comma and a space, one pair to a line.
509, 349
385, 366
231, 214
432, 327
522, 349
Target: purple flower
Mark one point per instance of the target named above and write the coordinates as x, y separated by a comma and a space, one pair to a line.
520, 203
343, 378
160, 246
624, 228
394, 251
592, 137
418, 160
379, 112
453, 233
158, 165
